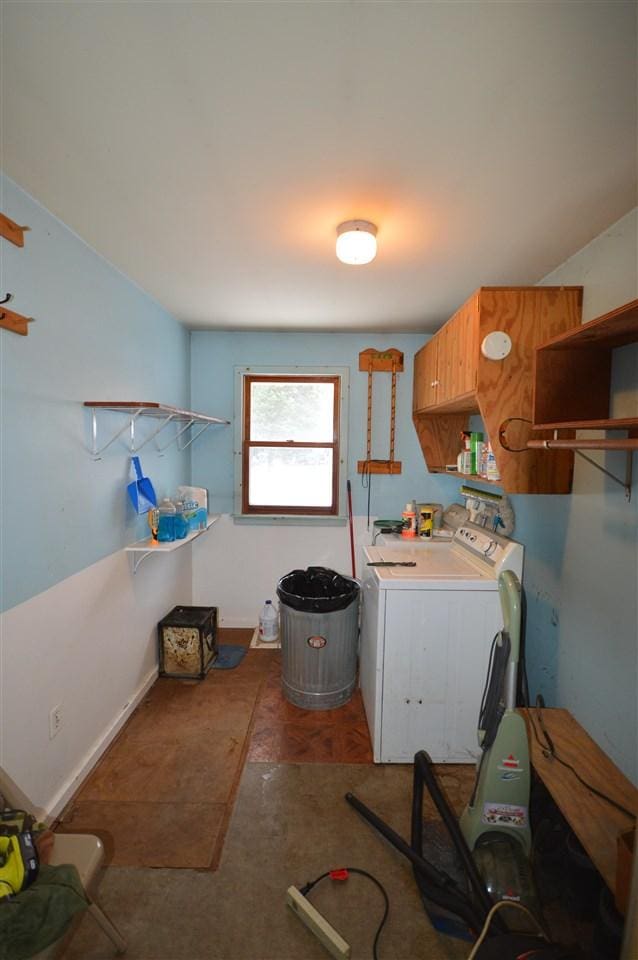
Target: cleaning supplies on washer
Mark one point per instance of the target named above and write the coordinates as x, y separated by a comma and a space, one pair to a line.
268, 623
409, 520
426, 523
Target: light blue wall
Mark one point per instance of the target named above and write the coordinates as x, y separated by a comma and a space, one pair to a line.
96, 336
581, 560
214, 356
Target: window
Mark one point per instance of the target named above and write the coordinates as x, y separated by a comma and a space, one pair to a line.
291, 446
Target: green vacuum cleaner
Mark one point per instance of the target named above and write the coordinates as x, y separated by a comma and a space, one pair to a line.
495, 823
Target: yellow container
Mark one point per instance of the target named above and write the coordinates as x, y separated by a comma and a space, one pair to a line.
436, 509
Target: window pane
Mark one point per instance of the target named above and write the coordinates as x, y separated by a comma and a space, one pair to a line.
290, 477
291, 410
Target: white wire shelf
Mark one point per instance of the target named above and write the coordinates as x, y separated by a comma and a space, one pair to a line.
134, 409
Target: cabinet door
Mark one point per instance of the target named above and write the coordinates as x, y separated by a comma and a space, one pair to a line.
414, 675
458, 353
425, 376
436, 656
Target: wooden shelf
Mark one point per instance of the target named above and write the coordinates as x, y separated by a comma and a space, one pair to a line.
134, 409
614, 329
572, 388
147, 409
468, 477
620, 423
596, 823
149, 546
572, 373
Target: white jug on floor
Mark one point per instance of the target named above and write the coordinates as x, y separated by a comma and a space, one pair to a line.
268, 623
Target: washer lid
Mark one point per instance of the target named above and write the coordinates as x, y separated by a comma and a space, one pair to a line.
441, 563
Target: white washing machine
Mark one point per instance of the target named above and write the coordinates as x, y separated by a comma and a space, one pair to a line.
426, 633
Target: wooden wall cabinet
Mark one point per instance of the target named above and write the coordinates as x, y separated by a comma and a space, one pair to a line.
453, 380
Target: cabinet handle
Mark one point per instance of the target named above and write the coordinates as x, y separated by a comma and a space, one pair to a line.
407, 701
420, 701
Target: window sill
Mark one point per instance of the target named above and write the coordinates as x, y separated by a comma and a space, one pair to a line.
276, 520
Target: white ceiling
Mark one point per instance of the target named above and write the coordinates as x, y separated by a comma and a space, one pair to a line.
210, 149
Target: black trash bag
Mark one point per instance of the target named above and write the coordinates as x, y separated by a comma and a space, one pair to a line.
317, 590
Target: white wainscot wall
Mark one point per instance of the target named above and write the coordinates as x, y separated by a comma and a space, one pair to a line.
88, 644
237, 566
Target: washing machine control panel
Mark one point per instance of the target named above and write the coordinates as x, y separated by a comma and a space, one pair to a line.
500, 553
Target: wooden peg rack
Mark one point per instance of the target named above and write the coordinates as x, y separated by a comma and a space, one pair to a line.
12, 231
380, 361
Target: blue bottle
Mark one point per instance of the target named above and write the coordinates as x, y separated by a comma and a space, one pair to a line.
181, 523
166, 525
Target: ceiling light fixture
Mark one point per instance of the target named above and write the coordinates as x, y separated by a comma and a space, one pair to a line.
356, 241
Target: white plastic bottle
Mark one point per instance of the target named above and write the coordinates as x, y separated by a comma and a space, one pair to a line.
268, 623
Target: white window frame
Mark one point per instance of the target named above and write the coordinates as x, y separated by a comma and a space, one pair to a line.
299, 370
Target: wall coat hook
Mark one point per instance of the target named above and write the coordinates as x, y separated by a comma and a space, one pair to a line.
15, 322
11, 230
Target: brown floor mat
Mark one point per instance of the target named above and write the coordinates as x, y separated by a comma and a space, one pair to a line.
163, 793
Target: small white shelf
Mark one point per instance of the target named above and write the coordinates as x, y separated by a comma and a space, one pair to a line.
147, 548
133, 409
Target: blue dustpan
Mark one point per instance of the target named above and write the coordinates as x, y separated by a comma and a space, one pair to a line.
141, 490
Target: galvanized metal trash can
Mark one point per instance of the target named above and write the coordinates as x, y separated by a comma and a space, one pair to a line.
319, 623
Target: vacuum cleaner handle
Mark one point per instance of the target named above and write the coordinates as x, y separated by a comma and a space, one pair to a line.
509, 589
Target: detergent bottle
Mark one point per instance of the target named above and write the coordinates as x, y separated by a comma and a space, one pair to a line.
409, 520
268, 623
166, 524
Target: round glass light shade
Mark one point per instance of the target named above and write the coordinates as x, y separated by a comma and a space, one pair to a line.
356, 241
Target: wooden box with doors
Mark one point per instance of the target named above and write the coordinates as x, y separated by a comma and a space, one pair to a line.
453, 380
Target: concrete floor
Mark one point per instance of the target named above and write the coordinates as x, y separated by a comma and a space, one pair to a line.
290, 823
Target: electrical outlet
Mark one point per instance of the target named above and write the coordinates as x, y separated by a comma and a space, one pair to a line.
55, 721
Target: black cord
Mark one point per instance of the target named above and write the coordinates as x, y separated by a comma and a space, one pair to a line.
549, 751
493, 704
523, 682
308, 887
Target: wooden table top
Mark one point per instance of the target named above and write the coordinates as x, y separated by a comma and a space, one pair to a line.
595, 822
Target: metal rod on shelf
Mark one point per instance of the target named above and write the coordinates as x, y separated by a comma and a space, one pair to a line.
620, 443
